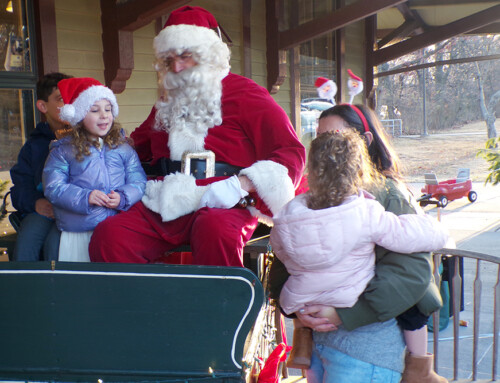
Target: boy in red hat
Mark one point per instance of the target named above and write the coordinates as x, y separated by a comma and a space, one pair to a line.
204, 108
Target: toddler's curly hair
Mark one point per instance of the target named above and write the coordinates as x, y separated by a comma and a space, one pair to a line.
338, 167
83, 142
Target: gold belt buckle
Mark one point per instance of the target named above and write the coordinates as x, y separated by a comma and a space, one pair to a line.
206, 155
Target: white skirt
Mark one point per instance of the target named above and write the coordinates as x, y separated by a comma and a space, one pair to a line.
74, 247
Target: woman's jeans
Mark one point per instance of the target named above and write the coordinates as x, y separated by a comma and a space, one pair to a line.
37, 239
331, 366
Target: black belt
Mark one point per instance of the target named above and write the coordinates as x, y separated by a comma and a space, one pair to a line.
166, 166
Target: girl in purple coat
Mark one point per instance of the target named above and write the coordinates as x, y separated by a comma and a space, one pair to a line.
327, 236
93, 173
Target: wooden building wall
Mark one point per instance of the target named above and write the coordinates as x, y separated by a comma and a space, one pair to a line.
354, 57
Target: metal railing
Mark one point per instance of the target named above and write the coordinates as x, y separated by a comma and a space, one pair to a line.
482, 345
394, 126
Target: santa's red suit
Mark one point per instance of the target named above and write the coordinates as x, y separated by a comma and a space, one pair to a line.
255, 135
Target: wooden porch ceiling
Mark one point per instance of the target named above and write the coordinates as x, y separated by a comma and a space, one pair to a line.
399, 27
393, 29
432, 35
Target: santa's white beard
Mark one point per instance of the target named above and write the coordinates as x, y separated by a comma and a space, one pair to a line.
192, 106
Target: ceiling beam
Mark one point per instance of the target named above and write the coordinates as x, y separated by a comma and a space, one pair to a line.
436, 34
413, 25
410, 14
118, 22
437, 63
333, 21
418, 3
135, 14
404, 30
490, 29
275, 57
46, 36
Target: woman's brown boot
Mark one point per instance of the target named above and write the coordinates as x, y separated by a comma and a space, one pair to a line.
300, 356
419, 369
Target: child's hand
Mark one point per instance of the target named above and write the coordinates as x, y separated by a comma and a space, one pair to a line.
319, 317
98, 198
330, 313
44, 207
114, 200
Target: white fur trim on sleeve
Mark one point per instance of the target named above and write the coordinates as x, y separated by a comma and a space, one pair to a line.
272, 183
175, 196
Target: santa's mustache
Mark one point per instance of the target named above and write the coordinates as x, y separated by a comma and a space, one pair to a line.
186, 78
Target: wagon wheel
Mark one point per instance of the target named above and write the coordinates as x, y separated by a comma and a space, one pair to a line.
422, 200
472, 196
443, 201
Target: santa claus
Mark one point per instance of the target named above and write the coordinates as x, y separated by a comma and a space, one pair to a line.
203, 108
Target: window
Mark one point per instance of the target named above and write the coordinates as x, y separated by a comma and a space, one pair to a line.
17, 80
17, 86
316, 59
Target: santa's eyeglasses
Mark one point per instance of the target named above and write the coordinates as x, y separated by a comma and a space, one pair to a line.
182, 58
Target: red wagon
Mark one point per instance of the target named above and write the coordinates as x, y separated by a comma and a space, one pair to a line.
449, 190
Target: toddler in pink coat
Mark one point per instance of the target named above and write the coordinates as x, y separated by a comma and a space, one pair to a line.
327, 236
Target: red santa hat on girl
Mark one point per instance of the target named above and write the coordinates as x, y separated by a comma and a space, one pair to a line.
191, 29
79, 94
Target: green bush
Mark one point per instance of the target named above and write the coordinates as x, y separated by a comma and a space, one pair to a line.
492, 155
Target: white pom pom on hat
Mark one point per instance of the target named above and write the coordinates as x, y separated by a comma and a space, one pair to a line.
79, 94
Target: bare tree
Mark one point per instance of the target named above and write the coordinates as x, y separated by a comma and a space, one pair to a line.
451, 89
488, 111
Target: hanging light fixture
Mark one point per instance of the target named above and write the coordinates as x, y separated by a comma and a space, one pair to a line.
9, 8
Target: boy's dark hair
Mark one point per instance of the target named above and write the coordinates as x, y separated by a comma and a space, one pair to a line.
46, 84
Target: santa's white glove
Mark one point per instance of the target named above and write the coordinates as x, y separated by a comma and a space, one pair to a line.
223, 194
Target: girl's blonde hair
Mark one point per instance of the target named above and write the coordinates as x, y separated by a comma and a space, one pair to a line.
83, 142
338, 167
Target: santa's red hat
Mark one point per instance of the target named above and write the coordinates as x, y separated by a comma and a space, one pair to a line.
320, 81
192, 16
353, 76
190, 29
79, 94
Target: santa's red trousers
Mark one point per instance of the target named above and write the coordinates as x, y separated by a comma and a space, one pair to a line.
216, 236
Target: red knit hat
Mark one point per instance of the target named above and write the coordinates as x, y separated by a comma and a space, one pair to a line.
191, 16
79, 94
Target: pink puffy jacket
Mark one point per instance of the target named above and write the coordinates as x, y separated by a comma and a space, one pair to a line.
329, 253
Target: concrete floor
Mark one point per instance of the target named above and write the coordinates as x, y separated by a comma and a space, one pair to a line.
475, 227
